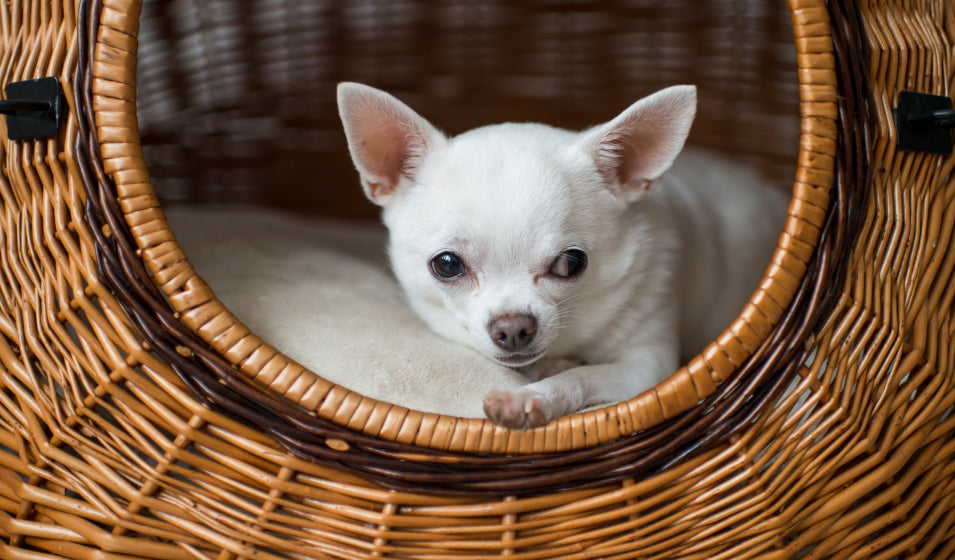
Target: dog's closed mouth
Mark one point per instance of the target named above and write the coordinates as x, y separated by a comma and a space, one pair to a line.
519, 360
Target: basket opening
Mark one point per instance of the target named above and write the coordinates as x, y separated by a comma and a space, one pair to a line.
251, 120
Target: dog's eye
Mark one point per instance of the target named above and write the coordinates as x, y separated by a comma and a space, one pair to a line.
569, 264
447, 266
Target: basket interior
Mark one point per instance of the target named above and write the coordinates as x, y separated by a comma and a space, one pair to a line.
237, 99
236, 105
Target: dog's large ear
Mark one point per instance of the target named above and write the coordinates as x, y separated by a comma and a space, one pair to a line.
386, 138
633, 150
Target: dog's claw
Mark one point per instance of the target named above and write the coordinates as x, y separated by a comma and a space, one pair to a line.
520, 409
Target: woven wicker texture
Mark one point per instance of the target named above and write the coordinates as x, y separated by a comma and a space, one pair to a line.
114, 442
235, 348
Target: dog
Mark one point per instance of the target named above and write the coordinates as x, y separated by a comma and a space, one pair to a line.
574, 257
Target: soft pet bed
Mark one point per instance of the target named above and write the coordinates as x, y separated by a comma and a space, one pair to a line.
320, 291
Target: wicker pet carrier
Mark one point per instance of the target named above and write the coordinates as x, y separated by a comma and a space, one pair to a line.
140, 419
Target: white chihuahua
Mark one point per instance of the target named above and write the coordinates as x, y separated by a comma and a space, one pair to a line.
550, 251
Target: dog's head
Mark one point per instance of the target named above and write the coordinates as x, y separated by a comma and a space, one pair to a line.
504, 235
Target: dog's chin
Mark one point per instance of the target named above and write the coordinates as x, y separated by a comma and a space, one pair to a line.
519, 359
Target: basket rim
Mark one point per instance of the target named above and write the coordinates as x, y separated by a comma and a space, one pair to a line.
199, 309
206, 336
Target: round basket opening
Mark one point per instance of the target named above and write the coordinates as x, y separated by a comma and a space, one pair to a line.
236, 103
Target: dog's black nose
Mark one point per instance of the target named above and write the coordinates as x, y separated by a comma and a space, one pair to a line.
513, 331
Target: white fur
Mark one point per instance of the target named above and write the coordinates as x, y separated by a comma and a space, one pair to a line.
671, 258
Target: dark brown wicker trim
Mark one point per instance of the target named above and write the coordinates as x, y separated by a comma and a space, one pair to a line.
750, 392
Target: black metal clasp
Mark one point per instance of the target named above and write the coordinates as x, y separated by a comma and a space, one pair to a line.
923, 122
33, 108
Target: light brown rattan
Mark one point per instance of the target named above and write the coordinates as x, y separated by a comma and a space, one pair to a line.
106, 453
395, 427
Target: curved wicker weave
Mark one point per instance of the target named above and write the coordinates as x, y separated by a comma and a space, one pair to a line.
213, 375
139, 419
200, 312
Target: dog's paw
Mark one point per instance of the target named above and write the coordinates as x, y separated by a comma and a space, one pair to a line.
518, 409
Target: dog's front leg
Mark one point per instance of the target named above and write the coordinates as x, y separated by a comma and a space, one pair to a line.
578, 387
548, 367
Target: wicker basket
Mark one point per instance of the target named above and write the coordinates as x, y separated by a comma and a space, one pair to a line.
140, 419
